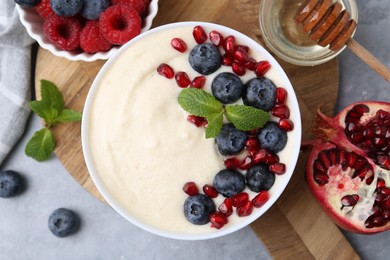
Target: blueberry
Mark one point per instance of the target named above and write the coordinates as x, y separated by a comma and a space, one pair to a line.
66, 7
272, 137
227, 87
205, 58
230, 140
229, 182
27, 3
197, 209
93, 8
260, 93
258, 178
63, 222
11, 184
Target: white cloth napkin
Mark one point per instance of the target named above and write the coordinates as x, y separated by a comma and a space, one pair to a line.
15, 74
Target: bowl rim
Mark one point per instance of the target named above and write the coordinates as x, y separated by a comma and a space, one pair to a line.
203, 236
42, 40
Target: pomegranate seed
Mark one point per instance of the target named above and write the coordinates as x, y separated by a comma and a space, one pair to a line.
369, 133
199, 34
246, 163
370, 179
386, 203
342, 155
380, 183
334, 156
384, 190
252, 145
262, 67
245, 210
239, 199
190, 188
360, 162
216, 38
319, 166
260, 199
198, 82
357, 137
278, 168
241, 55
182, 79
386, 214
351, 159
229, 45
384, 161
286, 124
361, 108
382, 114
251, 64
238, 69
227, 60
210, 191
349, 200
166, 71
321, 179
281, 111
232, 163
324, 158
271, 158
218, 219
179, 45
281, 96
260, 156
198, 121
226, 207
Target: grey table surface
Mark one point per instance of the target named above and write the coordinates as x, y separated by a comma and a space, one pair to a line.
104, 234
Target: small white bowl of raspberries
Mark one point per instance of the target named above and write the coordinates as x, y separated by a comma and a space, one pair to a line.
86, 30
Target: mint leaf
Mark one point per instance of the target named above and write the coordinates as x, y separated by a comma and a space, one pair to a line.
44, 111
199, 102
214, 124
51, 108
51, 96
246, 117
41, 145
68, 115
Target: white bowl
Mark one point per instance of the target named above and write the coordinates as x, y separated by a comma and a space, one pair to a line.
94, 120
33, 24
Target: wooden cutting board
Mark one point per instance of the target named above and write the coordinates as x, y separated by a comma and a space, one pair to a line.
295, 227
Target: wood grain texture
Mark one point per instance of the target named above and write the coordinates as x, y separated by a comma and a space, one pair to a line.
295, 227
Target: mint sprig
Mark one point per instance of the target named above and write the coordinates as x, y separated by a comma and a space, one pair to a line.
51, 108
201, 103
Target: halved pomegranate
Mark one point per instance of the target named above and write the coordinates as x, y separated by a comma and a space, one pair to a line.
348, 170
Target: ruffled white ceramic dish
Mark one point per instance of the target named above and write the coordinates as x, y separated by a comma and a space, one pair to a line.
112, 180
33, 24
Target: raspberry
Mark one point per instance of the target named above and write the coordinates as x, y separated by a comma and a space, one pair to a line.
91, 40
120, 23
63, 32
44, 9
140, 5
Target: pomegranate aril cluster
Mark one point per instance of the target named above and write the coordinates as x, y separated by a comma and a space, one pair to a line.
381, 207
373, 136
337, 157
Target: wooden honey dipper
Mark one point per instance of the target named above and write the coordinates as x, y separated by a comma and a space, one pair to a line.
327, 24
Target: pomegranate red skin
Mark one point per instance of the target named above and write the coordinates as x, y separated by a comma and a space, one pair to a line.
330, 131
